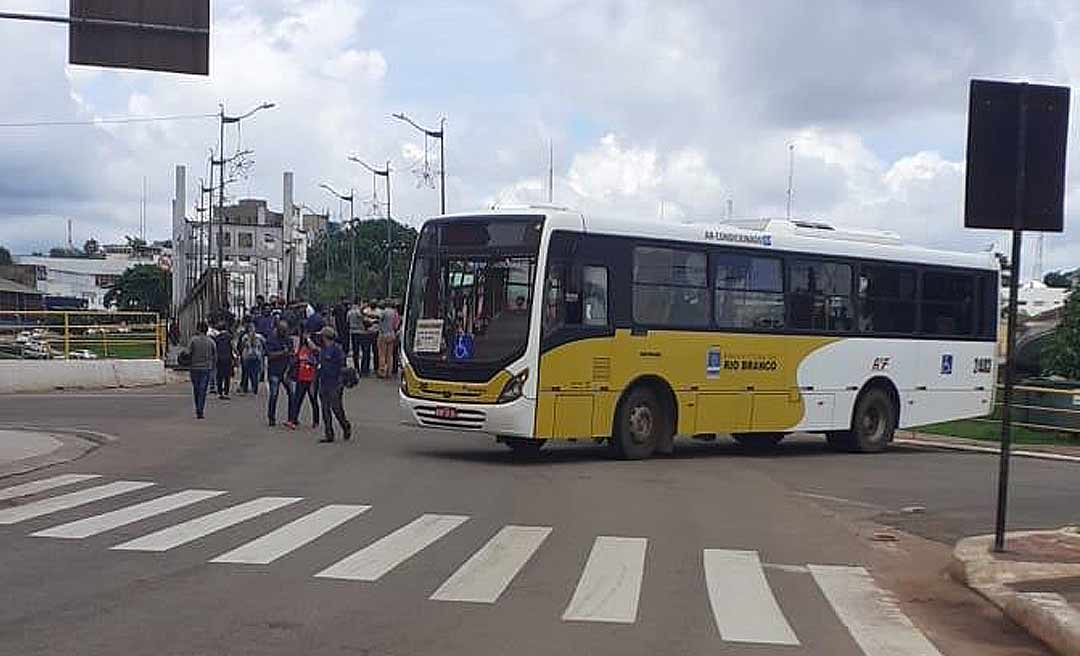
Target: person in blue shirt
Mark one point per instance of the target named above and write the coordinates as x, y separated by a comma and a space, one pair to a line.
331, 385
315, 323
279, 350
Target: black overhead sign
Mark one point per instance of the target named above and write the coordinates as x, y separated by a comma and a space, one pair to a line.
156, 35
1016, 156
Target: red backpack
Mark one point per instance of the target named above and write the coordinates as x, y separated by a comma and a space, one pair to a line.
305, 371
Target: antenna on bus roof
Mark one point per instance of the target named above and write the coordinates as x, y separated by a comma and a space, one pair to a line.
551, 171
790, 176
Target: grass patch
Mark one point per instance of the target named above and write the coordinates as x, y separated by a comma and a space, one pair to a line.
124, 351
990, 431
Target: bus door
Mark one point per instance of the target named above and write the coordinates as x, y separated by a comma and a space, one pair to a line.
575, 364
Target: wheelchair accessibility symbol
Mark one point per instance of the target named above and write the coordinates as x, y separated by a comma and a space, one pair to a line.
463, 347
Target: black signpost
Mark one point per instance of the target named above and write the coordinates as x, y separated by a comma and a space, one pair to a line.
1016, 146
158, 35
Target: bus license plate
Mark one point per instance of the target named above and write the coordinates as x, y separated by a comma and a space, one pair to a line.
446, 413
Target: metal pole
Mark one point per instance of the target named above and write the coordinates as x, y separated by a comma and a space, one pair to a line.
221, 190
1010, 356
389, 239
442, 163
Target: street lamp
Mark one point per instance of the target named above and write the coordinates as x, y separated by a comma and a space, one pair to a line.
439, 134
352, 237
385, 173
224, 119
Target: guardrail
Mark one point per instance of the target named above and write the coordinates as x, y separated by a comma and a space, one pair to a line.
1042, 408
80, 335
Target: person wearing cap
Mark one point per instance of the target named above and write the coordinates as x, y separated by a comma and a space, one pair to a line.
331, 368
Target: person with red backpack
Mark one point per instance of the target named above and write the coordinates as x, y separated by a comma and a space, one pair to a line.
305, 370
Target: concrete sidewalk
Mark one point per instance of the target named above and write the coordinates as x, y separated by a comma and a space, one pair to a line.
1047, 451
24, 450
1035, 582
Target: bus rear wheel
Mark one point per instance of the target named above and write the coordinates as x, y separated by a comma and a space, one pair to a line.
523, 447
758, 440
872, 424
641, 425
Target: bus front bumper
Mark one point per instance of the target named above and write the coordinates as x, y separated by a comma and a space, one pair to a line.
513, 419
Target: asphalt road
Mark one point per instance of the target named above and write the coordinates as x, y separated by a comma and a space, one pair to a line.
714, 550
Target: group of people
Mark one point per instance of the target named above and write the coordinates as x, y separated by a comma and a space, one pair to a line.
294, 347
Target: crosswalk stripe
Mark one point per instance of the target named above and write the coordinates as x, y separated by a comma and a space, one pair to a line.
84, 528
292, 536
743, 604
610, 584
871, 615
193, 529
490, 570
383, 555
70, 500
33, 487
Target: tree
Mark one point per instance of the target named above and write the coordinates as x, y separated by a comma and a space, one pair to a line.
64, 251
1058, 279
142, 288
1062, 354
326, 274
91, 248
5, 257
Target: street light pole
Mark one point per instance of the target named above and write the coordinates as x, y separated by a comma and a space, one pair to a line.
221, 163
385, 173
439, 134
352, 235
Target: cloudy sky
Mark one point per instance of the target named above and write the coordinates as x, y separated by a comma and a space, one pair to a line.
681, 103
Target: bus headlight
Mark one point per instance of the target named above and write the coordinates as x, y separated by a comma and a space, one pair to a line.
513, 388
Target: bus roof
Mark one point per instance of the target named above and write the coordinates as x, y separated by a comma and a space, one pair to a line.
796, 235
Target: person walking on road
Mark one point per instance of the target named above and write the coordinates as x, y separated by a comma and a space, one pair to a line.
223, 340
355, 321
305, 368
201, 349
331, 385
387, 337
278, 353
252, 349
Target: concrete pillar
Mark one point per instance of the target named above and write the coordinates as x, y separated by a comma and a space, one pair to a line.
179, 239
287, 270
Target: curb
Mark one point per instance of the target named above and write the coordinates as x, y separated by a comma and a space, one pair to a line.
1045, 615
75, 443
950, 446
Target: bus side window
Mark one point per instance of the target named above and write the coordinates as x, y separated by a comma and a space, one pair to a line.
594, 285
554, 292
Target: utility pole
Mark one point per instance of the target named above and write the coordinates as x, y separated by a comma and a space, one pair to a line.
551, 171
439, 134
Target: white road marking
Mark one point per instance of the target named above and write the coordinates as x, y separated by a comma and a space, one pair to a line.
743, 604
383, 555
486, 574
292, 536
33, 487
610, 584
84, 528
69, 500
193, 529
871, 615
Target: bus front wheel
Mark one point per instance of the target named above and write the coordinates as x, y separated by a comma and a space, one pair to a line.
642, 424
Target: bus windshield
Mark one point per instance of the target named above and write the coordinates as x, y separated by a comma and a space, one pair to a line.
471, 290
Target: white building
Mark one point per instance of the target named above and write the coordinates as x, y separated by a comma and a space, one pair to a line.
1034, 298
262, 252
84, 278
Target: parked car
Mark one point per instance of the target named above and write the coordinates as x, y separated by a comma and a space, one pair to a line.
83, 354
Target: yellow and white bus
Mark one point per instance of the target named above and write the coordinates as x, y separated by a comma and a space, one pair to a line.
539, 323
